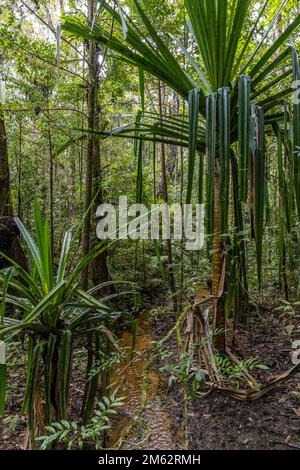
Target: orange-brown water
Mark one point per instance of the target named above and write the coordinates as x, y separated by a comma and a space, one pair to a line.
155, 428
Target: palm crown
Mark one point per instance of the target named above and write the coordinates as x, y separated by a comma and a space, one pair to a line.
231, 109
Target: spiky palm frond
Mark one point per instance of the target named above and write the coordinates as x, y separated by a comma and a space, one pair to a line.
229, 68
54, 311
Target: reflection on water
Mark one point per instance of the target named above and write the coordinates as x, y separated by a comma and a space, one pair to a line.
155, 429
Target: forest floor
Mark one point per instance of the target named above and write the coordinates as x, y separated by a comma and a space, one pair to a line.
221, 422
214, 422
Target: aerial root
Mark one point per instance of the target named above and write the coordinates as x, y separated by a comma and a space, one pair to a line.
199, 339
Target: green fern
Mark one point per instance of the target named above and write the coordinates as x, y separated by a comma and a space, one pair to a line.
231, 370
72, 435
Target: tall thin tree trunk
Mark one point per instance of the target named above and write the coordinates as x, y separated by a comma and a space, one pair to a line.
51, 189
81, 162
9, 234
72, 195
181, 170
171, 163
163, 188
20, 171
164, 196
5, 197
92, 86
100, 272
93, 162
93, 72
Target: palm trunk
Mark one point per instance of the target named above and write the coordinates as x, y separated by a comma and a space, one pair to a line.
217, 268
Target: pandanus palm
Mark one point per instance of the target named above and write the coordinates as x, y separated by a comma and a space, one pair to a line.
232, 98
54, 313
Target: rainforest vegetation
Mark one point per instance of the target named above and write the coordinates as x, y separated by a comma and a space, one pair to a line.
141, 340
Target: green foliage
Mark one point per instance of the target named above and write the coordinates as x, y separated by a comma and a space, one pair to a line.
55, 311
231, 371
290, 311
234, 71
105, 364
288, 308
72, 435
185, 371
229, 61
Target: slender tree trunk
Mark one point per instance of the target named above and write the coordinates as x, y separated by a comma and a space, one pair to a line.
93, 162
20, 172
171, 163
163, 188
5, 198
164, 197
9, 234
80, 162
72, 194
181, 172
182, 240
91, 100
100, 272
51, 167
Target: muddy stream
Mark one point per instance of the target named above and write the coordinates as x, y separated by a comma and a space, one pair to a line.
155, 428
